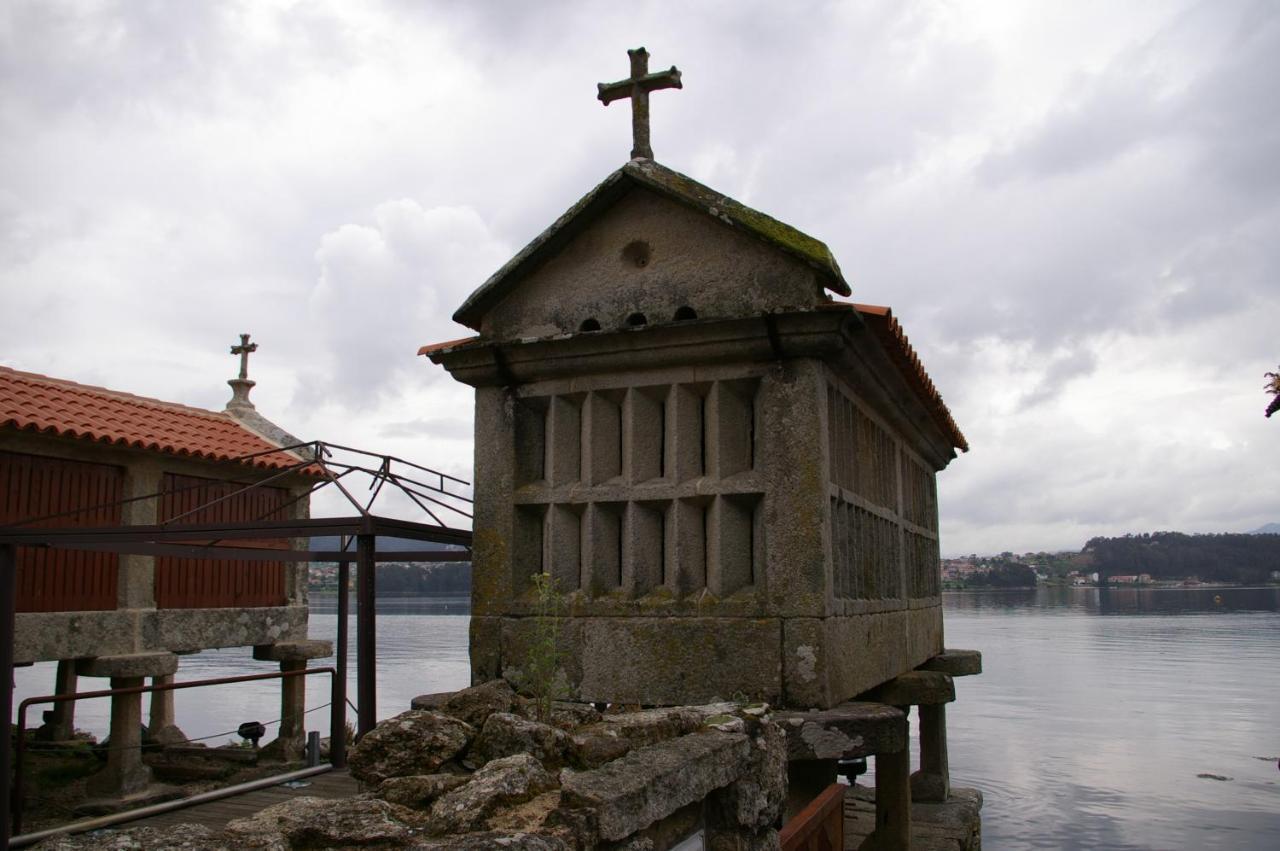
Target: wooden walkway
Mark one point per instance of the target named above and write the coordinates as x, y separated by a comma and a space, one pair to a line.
216, 814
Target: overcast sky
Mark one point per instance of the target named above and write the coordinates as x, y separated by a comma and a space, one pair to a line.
1073, 207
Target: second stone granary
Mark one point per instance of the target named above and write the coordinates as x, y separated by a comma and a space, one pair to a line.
728, 474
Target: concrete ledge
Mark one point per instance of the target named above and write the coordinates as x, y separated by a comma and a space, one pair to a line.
849, 730
915, 688
293, 651
955, 663
133, 665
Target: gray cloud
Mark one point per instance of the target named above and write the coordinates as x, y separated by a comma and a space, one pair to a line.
1072, 210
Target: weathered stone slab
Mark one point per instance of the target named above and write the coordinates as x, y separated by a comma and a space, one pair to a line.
500, 783
955, 663
755, 800
413, 742
293, 651
915, 688
418, 791
187, 837
474, 705
651, 783
309, 822
157, 664
491, 839
593, 746
434, 701
505, 734
849, 730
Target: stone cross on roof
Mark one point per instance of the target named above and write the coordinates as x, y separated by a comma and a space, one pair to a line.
244, 350
637, 87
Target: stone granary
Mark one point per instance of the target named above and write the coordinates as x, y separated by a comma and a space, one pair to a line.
729, 474
65, 447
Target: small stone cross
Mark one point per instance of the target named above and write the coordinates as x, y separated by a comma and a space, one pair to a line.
637, 87
243, 350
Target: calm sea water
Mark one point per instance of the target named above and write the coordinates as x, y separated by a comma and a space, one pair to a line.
1094, 715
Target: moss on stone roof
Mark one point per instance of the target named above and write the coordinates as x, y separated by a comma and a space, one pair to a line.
671, 184
779, 234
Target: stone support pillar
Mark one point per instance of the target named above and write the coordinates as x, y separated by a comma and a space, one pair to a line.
162, 726
893, 801
292, 656
929, 691
61, 720
933, 781
125, 774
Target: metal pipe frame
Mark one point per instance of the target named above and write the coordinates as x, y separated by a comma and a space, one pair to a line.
19, 783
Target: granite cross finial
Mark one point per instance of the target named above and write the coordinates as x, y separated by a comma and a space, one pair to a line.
244, 350
637, 87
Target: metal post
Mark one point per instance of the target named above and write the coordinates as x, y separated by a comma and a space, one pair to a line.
8, 603
366, 650
338, 697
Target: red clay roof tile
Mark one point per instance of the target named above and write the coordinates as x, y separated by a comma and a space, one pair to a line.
38, 403
886, 328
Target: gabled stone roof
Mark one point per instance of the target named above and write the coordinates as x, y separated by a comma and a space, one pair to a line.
44, 405
670, 184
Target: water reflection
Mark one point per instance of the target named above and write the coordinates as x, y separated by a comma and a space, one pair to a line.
1061, 600
1097, 710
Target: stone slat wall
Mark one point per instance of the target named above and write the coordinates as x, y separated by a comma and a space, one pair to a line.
884, 509
612, 490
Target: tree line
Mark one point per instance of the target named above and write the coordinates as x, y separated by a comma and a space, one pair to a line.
408, 579
1176, 555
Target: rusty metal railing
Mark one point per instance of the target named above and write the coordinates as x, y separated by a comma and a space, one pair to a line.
337, 736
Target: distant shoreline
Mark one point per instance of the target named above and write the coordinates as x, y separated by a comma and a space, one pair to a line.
1206, 586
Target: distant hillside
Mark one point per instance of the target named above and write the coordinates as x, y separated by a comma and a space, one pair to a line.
1269, 529
1173, 555
385, 545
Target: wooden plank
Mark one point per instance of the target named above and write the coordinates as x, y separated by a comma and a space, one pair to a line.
819, 826
216, 814
36, 486
220, 583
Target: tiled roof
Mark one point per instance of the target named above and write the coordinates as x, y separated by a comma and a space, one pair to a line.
447, 344
886, 328
38, 403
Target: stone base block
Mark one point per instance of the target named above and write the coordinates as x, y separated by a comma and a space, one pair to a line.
653, 661
830, 660
955, 825
801, 663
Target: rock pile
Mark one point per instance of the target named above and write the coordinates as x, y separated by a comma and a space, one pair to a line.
477, 769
